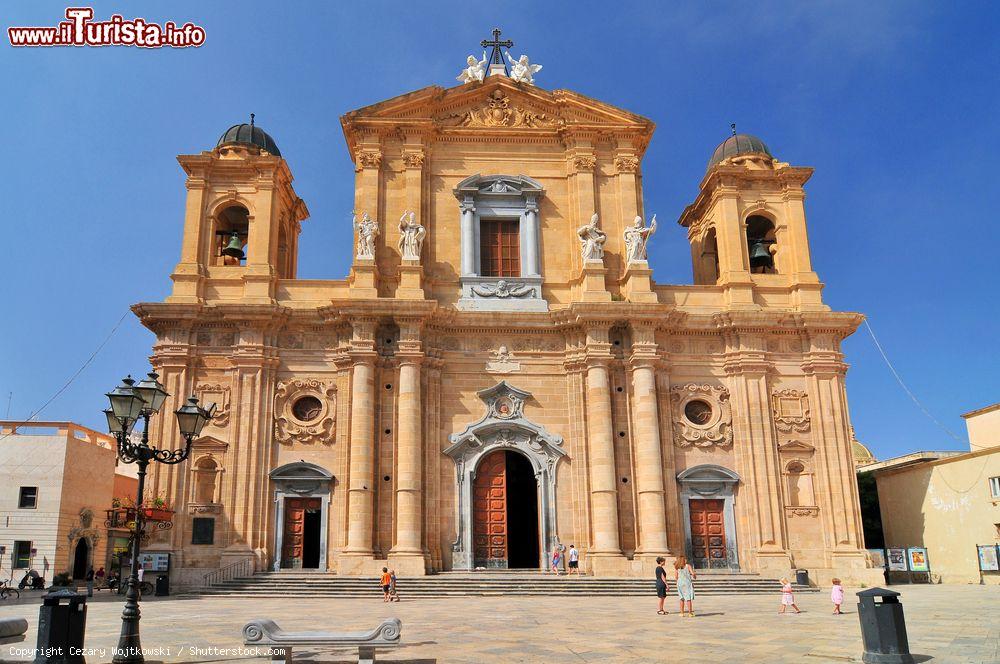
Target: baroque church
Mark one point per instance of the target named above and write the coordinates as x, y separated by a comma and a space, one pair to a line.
500, 373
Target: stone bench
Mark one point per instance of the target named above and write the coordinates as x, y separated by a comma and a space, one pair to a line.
12, 630
263, 632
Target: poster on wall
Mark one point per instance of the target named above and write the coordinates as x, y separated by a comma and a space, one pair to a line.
918, 559
155, 562
878, 558
988, 558
897, 560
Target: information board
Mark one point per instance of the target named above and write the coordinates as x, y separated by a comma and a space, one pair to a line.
988, 561
155, 562
918, 559
897, 560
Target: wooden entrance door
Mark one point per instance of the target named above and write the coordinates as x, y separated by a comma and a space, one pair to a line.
708, 533
295, 524
489, 512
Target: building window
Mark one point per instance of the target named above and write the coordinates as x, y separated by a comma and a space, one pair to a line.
995, 487
28, 500
499, 248
22, 554
202, 530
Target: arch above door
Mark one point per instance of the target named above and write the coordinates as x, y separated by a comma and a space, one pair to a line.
503, 426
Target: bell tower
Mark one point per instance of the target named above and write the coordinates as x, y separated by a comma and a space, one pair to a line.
241, 222
747, 227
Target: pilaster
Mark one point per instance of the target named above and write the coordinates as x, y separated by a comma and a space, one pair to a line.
361, 483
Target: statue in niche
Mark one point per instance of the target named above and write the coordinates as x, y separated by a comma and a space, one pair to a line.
636, 238
521, 70
411, 236
475, 71
367, 230
592, 240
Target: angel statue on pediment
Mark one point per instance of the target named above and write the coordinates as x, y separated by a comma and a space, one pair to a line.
476, 71
636, 238
521, 70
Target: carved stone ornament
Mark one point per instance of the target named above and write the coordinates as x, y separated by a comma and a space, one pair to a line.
502, 289
499, 112
219, 394
791, 411
626, 164
503, 362
368, 159
801, 511
413, 159
702, 416
305, 411
584, 162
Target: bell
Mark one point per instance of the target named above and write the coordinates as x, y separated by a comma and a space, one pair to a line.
234, 248
760, 256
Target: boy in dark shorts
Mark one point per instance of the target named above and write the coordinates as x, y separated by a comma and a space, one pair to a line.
386, 582
574, 560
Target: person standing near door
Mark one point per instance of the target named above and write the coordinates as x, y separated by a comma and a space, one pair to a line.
556, 558
684, 578
90, 582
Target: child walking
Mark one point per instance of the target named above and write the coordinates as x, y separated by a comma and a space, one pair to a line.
393, 594
837, 596
684, 576
787, 598
386, 582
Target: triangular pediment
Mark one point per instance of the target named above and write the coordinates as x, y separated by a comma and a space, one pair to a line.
497, 103
796, 446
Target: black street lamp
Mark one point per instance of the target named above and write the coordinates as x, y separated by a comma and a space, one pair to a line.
131, 401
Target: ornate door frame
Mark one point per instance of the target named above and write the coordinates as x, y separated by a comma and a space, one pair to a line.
710, 481
300, 479
503, 427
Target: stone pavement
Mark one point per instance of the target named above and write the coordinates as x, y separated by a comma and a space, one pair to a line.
947, 624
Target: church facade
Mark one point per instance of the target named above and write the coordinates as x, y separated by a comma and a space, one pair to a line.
500, 374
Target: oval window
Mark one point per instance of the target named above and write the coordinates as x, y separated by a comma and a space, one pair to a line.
307, 409
698, 412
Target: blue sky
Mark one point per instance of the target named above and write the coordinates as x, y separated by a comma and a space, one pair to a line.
895, 104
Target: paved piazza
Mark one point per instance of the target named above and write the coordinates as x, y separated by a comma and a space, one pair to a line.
946, 624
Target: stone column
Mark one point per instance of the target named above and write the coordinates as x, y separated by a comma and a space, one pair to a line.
530, 240
603, 478
648, 453
361, 484
408, 550
468, 239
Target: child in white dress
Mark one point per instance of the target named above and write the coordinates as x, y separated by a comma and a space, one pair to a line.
787, 598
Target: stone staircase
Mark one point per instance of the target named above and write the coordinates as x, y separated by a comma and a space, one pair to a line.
485, 583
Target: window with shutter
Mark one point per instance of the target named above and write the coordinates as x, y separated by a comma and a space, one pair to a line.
499, 248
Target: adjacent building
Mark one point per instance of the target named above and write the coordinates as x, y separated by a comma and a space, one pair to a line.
57, 479
947, 502
500, 373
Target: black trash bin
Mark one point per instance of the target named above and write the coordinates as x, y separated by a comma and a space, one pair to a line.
883, 629
162, 586
62, 625
802, 577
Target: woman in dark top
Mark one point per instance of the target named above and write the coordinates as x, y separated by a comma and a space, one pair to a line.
661, 584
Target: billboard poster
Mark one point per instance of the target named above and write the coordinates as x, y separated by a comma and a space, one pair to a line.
918, 559
897, 560
988, 558
878, 558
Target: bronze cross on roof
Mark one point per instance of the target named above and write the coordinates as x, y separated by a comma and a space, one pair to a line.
496, 56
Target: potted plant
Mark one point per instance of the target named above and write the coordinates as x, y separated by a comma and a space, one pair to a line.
158, 510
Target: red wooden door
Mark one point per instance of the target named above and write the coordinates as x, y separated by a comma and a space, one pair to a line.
708, 533
489, 512
295, 519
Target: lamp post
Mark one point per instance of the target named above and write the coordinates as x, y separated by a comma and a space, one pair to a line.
131, 402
